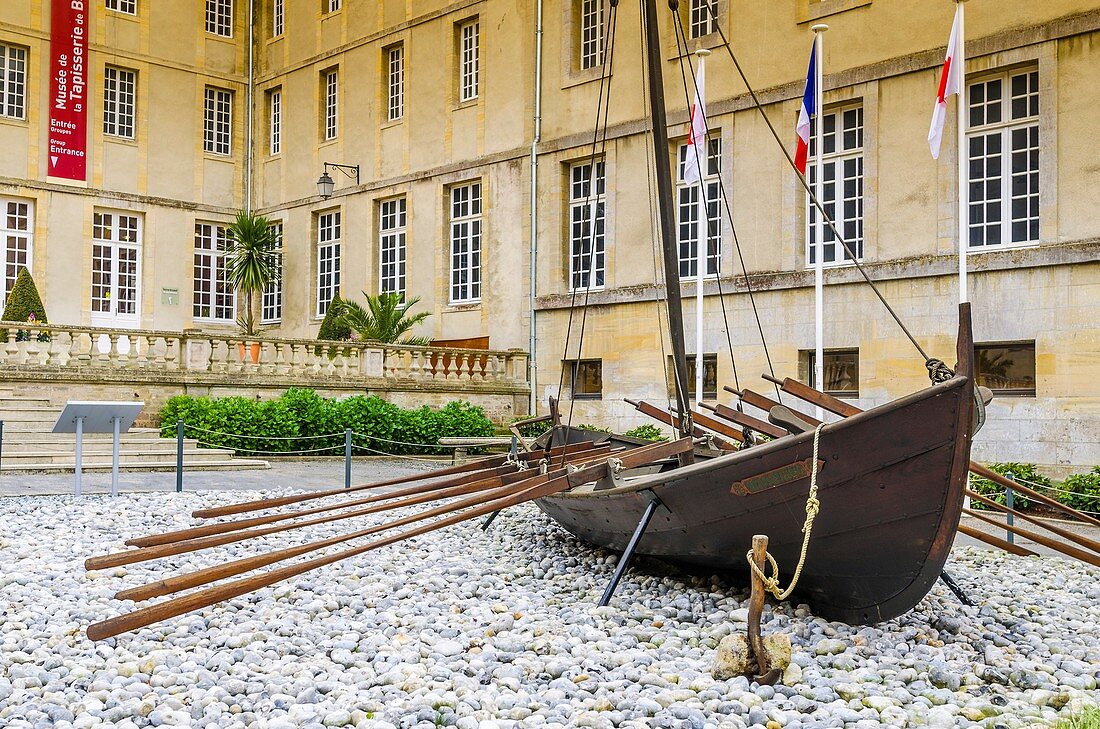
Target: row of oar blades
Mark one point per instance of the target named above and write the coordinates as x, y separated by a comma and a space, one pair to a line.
452, 495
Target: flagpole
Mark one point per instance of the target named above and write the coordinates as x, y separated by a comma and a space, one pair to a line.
960, 70
702, 236
819, 185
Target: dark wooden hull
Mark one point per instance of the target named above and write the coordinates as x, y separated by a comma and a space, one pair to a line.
891, 491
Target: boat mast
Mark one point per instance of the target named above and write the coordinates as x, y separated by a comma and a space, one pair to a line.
664, 203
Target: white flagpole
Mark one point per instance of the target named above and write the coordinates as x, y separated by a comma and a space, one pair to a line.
819, 187
960, 69
702, 234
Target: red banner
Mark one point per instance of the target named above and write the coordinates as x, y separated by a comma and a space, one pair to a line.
68, 90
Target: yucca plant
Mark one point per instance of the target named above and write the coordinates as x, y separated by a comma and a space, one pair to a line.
252, 250
385, 319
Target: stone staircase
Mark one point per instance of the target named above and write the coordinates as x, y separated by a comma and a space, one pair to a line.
28, 445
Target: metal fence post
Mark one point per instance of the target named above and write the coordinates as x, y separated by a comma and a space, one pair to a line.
347, 458
1, 442
1009, 500
179, 456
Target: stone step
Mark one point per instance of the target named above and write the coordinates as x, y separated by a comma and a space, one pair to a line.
25, 440
68, 456
16, 401
235, 464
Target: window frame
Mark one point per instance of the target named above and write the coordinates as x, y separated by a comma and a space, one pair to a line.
116, 105
811, 358
217, 121
594, 207
837, 159
687, 199
331, 6
271, 298
330, 117
327, 249
116, 239
469, 60
275, 121
278, 18
574, 366
120, 6
13, 72
16, 257
395, 82
393, 229
1003, 129
1031, 392
710, 363
219, 18
589, 39
696, 16
467, 260
222, 295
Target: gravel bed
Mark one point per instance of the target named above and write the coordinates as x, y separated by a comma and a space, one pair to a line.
499, 629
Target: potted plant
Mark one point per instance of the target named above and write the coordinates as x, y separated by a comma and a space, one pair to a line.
252, 250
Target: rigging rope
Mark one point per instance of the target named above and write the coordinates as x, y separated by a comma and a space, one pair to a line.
805, 184
813, 506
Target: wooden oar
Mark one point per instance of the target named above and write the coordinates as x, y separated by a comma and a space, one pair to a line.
233, 525
144, 554
1052, 528
271, 503
746, 420
996, 542
698, 419
839, 407
765, 403
1065, 549
247, 564
211, 595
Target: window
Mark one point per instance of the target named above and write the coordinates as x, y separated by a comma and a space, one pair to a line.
392, 220
591, 33
330, 6
214, 298
217, 126
13, 81
123, 6
17, 229
842, 187
840, 371
1003, 142
275, 121
329, 80
586, 226
710, 376
119, 87
468, 40
271, 303
703, 17
466, 243
395, 82
687, 208
219, 17
1006, 368
116, 248
328, 259
278, 18
586, 376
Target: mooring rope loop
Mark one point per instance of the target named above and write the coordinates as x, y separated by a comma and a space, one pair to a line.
813, 508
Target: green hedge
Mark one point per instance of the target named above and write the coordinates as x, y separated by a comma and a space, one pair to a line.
996, 492
1082, 491
302, 412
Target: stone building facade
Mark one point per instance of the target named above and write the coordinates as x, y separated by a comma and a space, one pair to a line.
196, 110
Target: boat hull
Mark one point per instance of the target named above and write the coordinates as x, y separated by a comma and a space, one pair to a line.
891, 483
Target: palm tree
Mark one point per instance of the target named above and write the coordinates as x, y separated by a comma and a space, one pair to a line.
384, 319
252, 250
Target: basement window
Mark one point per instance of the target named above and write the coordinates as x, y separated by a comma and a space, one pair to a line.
1006, 368
840, 371
710, 376
586, 377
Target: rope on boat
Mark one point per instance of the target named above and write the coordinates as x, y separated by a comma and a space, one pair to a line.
813, 506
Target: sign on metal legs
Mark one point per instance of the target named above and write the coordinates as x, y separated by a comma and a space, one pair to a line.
97, 417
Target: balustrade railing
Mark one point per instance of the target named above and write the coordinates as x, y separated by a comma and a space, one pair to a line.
66, 347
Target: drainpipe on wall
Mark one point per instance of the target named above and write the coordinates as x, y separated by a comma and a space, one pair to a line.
531, 361
249, 131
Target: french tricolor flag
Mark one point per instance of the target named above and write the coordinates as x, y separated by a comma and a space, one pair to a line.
809, 99
949, 85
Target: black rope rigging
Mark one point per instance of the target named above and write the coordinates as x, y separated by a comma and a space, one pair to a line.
599, 139
713, 10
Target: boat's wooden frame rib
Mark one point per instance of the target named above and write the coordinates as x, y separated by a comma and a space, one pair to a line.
503, 497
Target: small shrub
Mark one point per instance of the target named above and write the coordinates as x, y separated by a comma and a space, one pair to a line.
647, 432
593, 428
1084, 492
24, 304
996, 492
333, 327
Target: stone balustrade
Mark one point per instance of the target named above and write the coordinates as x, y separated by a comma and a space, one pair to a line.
65, 347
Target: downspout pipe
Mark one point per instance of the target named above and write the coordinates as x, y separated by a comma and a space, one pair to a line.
532, 360
250, 131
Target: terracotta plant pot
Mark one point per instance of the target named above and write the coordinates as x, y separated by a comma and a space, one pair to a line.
253, 351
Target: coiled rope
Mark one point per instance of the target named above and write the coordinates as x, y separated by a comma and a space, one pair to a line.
813, 506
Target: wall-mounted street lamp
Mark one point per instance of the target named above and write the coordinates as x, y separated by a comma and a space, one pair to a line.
325, 183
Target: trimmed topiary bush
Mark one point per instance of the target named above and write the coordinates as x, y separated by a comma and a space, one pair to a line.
333, 328
24, 304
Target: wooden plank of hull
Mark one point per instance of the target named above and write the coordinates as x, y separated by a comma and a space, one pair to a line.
891, 490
